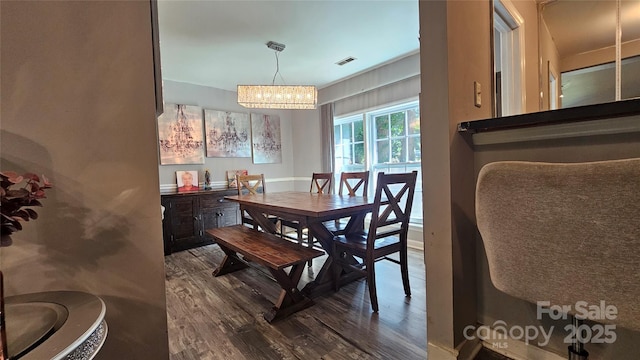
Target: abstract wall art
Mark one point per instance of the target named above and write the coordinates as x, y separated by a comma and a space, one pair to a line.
265, 139
228, 134
180, 135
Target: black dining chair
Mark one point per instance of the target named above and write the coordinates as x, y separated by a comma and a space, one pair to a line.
387, 234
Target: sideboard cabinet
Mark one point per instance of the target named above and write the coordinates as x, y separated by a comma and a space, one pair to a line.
187, 215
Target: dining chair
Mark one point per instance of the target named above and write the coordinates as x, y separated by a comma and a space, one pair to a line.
252, 185
321, 183
355, 183
564, 233
387, 234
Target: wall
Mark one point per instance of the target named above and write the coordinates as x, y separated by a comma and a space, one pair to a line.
550, 59
78, 105
529, 12
278, 176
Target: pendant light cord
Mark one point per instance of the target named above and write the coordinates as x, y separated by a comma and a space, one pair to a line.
273, 82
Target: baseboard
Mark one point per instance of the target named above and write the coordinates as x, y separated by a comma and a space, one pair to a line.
519, 350
440, 352
468, 349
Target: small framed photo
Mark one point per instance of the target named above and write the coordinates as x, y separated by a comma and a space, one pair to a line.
231, 177
187, 180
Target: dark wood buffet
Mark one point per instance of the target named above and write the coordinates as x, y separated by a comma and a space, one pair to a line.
188, 214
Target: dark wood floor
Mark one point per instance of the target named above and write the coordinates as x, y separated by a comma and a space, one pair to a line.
221, 318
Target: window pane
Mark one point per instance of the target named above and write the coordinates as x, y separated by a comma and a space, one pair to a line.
414, 121
414, 149
382, 149
346, 132
358, 131
397, 124
358, 152
398, 151
382, 127
339, 157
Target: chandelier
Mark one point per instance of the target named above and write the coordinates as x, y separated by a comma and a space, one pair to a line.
277, 96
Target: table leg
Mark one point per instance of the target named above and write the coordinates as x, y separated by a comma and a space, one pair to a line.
290, 299
262, 221
324, 281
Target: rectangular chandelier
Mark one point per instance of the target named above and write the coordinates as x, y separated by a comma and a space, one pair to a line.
278, 96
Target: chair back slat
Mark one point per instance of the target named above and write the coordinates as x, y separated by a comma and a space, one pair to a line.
321, 183
392, 206
353, 181
251, 184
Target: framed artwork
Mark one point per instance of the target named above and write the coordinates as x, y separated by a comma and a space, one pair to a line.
187, 180
228, 134
180, 135
265, 139
231, 177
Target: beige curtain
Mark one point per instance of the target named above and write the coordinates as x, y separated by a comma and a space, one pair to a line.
326, 128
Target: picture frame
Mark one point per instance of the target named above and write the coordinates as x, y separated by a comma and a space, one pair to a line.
180, 135
228, 134
187, 180
266, 139
231, 177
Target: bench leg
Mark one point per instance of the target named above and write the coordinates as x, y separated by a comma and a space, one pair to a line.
230, 263
290, 299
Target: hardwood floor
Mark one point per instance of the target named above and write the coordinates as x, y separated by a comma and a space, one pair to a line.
221, 318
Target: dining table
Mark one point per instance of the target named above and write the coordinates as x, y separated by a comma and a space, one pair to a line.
310, 210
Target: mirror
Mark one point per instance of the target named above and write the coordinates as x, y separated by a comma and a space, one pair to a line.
582, 61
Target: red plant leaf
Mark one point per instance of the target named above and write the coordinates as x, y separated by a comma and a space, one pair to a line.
34, 186
46, 182
9, 174
32, 177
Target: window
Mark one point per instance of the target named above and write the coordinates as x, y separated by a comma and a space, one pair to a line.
385, 140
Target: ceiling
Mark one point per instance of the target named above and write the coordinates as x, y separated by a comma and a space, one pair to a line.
582, 26
223, 43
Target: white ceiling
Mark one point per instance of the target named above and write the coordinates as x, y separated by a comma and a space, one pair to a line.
223, 43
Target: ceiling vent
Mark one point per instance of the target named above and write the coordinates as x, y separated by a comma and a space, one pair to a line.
345, 61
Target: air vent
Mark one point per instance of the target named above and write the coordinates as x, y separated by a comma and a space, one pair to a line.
345, 61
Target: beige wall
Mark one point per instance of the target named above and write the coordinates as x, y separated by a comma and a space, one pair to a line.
78, 106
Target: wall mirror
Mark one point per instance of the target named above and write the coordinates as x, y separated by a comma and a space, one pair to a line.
587, 52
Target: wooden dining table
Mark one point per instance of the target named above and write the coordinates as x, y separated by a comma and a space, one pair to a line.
311, 211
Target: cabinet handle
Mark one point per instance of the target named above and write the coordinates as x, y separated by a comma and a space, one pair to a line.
195, 218
220, 200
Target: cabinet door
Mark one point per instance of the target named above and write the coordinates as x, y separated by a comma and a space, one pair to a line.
217, 211
184, 222
228, 215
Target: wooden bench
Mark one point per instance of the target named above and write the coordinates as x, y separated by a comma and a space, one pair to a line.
272, 252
